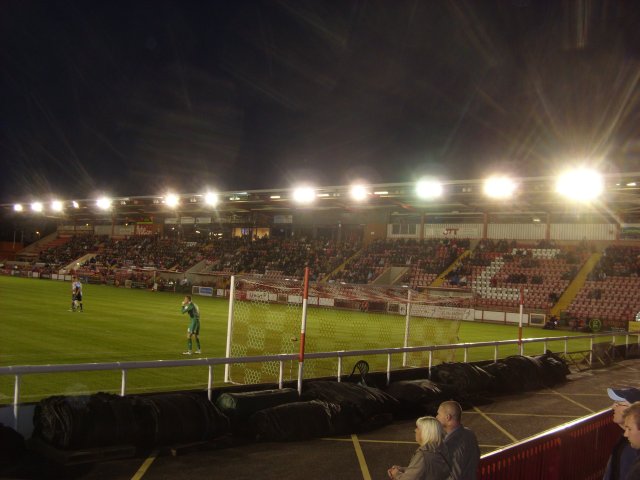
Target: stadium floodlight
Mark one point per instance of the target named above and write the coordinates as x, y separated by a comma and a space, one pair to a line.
359, 192
428, 189
499, 187
36, 206
56, 205
103, 203
304, 195
581, 185
17, 207
171, 200
211, 199
75, 204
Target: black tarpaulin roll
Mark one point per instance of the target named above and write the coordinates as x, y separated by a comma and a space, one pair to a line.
361, 407
418, 396
241, 405
85, 421
466, 378
174, 418
293, 421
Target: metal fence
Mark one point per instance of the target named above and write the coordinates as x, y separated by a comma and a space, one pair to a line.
19, 371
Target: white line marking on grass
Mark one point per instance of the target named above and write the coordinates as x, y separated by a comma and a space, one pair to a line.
495, 424
144, 467
363, 463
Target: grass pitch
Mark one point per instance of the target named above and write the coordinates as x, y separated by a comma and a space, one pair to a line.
127, 325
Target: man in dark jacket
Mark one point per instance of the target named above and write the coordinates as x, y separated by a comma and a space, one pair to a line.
461, 442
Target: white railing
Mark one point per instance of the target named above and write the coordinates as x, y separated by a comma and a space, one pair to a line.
19, 370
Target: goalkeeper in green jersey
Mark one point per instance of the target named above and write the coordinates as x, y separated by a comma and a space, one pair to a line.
194, 326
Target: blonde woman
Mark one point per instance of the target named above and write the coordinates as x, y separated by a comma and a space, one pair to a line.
431, 461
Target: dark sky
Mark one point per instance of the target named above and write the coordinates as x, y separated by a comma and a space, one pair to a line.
134, 98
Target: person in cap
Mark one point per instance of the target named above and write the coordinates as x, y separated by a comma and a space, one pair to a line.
631, 418
622, 455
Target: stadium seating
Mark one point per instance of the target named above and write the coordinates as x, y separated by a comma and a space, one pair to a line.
611, 292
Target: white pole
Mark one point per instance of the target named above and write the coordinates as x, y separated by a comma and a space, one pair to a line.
232, 300
210, 383
123, 383
16, 401
520, 320
406, 328
303, 328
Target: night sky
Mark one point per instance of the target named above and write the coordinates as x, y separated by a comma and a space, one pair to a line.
134, 98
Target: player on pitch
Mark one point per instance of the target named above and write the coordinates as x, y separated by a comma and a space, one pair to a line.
194, 326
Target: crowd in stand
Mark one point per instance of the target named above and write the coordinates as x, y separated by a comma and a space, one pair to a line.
71, 250
422, 256
619, 261
493, 269
610, 293
149, 252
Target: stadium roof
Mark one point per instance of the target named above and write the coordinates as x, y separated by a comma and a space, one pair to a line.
620, 202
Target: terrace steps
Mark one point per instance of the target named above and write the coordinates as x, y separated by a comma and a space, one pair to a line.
575, 286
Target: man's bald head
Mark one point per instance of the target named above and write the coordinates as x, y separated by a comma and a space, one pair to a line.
449, 415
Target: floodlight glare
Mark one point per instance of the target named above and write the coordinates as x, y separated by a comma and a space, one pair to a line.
428, 189
75, 204
103, 203
304, 195
171, 200
359, 192
581, 185
499, 187
56, 206
211, 199
36, 206
17, 207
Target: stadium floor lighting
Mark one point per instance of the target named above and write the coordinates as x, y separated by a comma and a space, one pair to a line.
499, 187
428, 189
17, 207
75, 204
36, 206
56, 206
582, 185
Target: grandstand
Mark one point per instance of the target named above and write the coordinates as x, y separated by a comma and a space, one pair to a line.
396, 273
534, 244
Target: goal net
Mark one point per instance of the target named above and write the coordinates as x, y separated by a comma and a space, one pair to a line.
266, 314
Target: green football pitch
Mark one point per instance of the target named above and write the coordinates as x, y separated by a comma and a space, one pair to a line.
133, 325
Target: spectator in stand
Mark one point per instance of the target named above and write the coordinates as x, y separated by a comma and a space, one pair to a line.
431, 460
631, 419
460, 440
623, 454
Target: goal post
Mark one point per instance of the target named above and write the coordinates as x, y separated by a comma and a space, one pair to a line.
266, 318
